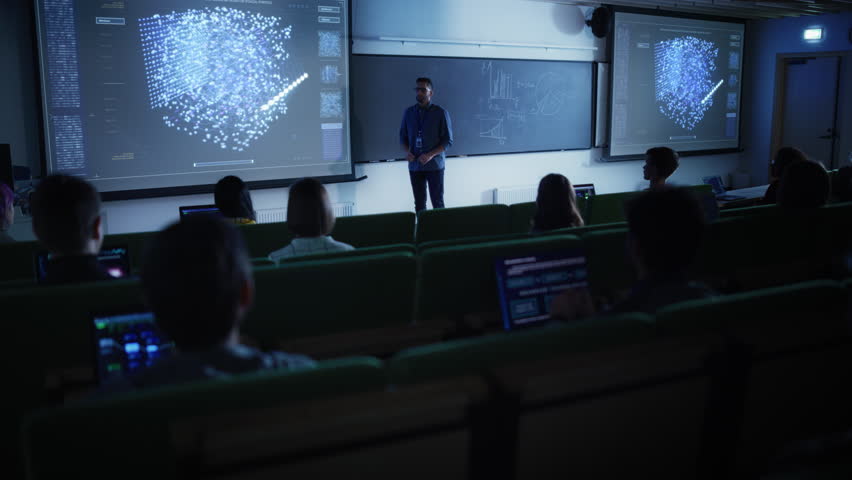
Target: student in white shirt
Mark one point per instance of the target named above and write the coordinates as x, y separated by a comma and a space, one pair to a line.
310, 218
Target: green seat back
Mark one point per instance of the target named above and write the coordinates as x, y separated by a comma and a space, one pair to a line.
16, 261
263, 239
520, 216
323, 297
745, 211
482, 354
448, 223
131, 433
358, 252
373, 230
608, 207
611, 272
457, 280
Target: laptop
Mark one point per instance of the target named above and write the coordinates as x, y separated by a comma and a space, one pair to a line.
126, 342
198, 210
528, 284
718, 186
584, 190
115, 260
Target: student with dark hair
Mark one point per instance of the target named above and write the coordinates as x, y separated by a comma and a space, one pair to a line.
7, 212
198, 282
67, 222
233, 199
666, 226
804, 185
425, 135
785, 157
660, 164
310, 218
555, 205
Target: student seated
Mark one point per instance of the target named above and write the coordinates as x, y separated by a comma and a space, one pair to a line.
666, 226
785, 157
804, 185
233, 200
660, 164
7, 212
198, 282
310, 218
555, 205
67, 221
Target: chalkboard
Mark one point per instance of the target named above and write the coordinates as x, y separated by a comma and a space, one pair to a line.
496, 106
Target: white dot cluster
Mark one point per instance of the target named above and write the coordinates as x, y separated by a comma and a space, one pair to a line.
683, 67
213, 70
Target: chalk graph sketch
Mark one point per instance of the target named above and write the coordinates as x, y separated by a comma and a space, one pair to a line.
512, 100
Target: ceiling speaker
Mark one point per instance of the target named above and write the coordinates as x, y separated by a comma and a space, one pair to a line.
600, 21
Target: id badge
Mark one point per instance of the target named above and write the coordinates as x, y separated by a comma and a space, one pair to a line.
418, 143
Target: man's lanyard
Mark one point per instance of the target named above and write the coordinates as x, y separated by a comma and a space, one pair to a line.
421, 118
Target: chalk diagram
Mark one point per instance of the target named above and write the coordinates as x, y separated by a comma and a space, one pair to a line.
218, 74
683, 79
512, 101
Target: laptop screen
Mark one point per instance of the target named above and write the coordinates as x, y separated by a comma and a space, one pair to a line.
114, 260
127, 342
584, 190
198, 209
527, 285
716, 183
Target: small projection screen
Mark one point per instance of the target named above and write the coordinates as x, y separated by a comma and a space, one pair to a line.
676, 82
161, 97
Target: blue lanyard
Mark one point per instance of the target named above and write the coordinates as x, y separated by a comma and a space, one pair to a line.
421, 119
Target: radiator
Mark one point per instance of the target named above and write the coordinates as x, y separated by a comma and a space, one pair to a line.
272, 215
510, 195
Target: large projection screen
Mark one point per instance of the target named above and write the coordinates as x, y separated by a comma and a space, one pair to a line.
168, 96
675, 82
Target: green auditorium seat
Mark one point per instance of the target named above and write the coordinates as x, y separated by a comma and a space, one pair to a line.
520, 217
448, 223
608, 207
16, 261
305, 424
358, 252
746, 211
480, 355
263, 239
309, 299
374, 230
455, 282
796, 358
611, 273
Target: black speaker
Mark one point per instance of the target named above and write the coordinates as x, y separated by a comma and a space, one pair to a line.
7, 173
600, 21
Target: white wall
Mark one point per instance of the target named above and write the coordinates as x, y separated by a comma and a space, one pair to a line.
468, 181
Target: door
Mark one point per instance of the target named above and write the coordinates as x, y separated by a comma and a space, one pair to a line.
810, 106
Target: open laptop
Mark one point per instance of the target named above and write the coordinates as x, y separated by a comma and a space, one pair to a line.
528, 284
127, 341
198, 210
718, 186
115, 260
584, 190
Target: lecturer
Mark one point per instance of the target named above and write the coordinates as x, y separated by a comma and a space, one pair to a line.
425, 134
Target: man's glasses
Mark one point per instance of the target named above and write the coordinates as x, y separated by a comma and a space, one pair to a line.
421, 89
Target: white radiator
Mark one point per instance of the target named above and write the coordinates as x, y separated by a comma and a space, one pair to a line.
272, 215
510, 195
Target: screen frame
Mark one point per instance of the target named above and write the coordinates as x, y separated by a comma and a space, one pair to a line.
605, 154
198, 189
592, 120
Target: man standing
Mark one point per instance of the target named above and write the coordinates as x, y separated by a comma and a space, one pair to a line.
425, 134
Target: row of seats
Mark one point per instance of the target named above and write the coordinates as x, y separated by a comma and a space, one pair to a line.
366, 303
358, 231
704, 389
